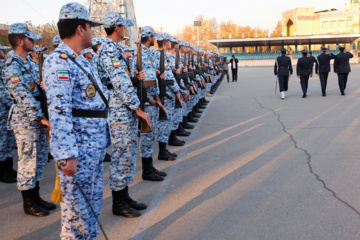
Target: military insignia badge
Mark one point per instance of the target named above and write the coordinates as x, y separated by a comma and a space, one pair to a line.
166, 64
63, 75
74, 55
63, 56
90, 91
15, 79
116, 63
32, 86
149, 62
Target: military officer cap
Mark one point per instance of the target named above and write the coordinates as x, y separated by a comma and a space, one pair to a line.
323, 48
114, 19
76, 11
86, 50
21, 28
56, 40
148, 31
96, 41
304, 51
4, 47
173, 39
341, 47
283, 50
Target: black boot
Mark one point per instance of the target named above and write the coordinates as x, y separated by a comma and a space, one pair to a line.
190, 118
172, 154
107, 158
120, 206
181, 132
30, 206
10, 169
132, 203
42, 203
173, 141
196, 108
201, 105
194, 114
4, 174
163, 153
205, 101
50, 157
186, 125
148, 172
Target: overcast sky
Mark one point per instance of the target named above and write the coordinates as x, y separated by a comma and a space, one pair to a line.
170, 15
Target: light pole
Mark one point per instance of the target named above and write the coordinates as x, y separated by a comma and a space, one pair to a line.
197, 24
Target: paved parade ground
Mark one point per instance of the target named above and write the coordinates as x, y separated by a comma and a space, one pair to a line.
254, 167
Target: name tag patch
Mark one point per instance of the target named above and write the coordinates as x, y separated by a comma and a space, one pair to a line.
15, 79
90, 91
116, 63
63, 75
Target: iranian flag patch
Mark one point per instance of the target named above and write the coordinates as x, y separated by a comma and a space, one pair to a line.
116, 63
63, 75
15, 79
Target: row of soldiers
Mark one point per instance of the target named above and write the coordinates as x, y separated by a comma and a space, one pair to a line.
305, 65
95, 100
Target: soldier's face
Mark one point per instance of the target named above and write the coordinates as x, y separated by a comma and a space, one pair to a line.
87, 34
152, 41
121, 31
28, 44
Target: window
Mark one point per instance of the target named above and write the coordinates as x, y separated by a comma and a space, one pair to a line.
333, 24
342, 23
325, 24
349, 22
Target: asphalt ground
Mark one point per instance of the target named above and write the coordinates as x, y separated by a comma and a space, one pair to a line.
255, 167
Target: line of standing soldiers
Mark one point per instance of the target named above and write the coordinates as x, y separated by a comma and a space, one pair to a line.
304, 69
96, 104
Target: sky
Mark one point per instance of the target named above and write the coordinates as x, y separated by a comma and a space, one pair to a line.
172, 15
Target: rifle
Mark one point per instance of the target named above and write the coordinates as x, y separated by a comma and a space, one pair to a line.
177, 63
162, 87
43, 99
141, 90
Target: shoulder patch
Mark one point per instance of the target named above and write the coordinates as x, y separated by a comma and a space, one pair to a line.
90, 91
116, 63
63, 56
15, 79
63, 75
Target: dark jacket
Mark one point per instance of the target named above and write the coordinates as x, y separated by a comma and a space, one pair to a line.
284, 66
304, 64
341, 64
324, 62
236, 63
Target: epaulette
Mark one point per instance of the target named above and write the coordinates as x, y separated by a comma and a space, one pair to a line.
63, 56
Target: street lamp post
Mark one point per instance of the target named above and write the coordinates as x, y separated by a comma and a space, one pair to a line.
197, 24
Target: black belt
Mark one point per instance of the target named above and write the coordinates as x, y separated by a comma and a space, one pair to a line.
89, 113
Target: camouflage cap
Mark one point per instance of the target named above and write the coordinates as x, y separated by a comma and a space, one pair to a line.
162, 36
56, 40
87, 50
182, 43
114, 19
96, 41
22, 28
36, 49
173, 39
4, 47
148, 31
76, 10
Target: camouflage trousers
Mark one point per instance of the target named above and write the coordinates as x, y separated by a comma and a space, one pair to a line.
163, 127
178, 114
33, 156
7, 141
77, 220
147, 139
124, 146
185, 108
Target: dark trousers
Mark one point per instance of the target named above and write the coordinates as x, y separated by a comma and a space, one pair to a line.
283, 83
323, 81
234, 74
343, 77
304, 81
223, 73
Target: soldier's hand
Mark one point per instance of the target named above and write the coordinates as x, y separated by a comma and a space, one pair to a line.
192, 90
162, 76
185, 69
70, 168
140, 75
298, 76
185, 97
45, 122
178, 71
143, 115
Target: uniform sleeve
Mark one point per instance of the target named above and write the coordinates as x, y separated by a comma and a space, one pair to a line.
59, 99
290, 66
22, 95
275, 68
335, 64
298, 68
4, 96
350, 54
119, 78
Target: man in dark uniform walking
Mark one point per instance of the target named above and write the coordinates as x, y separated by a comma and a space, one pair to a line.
342, 68
303, 70
324, 68
281, 69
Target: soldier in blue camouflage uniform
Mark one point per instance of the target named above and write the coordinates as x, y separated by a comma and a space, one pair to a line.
56, 40
147, 139
7, 140
26, 119
124, 113
79, 131
165, 127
